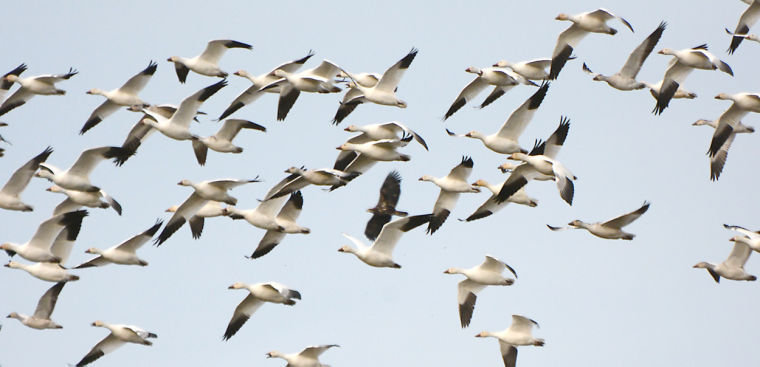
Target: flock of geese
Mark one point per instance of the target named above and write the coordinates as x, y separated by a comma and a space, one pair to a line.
277, 213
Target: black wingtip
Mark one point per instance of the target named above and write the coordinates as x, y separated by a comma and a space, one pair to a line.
211, 89
538, 97
467, 162
407, 60
230, 110
559, 61
151, 69
459, 103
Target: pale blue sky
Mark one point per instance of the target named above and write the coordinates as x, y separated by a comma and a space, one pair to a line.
599, 302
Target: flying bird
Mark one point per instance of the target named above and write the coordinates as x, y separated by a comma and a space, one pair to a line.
625, 79
487, 273
254, 91
206, 63
733, 267
518, 334
451, 186
309, 357
385, 208
380, 253
41, 318
501, 79
320, 79
583, 24
35, 85
123, 253
748, 18
126, 95
77, 177
120, 335
260, 293
611, 229
10, 194
222, 140
718, 160
286, 219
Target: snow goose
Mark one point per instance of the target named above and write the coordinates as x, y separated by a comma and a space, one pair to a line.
222, 140
254, 91
718, 160
491, 206
39, 247
380, 253
203, 192
177, 126
206, 63
625, 79
309, 357
123, 253
752, 239
77, 177
538, 165
259, 293
748, 37
683, 62
41, 84
380, 150
729, 121
655, 89
385, 208
505, 140
451, 186
547, 168
369, 133
531, 69
746, 20
611, 229
733, 267
40, 320
210, 210
120, 335
286, 219
519, 333
384, 92
10, 194
354, 162
76, 199
143, 129
6, 85
583, 24
364, 79
315, 80
502, 79
53, 271
126, 95
301, 177
487, 273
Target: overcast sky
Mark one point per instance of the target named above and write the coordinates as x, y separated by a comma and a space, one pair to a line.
599, 302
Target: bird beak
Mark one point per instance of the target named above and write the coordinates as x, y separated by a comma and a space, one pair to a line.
346, 129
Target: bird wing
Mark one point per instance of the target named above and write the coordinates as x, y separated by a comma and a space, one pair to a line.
50, 228
63, 244
5, 85
137, 241
557, 138
293, 65
467, 292
626, 219
242, 313
353, 98
407, 130
390, 234
315, 351
184, 212
746, 20
67, 205
392, 76
136, 83
522, 325
189, 106
605, 15
90, 158
639, 55
516, 180
215, 49
18, 98
105, 109
288, 97
247, 97
514, 126
270, 240
442, 208
232, 127
375, 225
96, 261
469, 92
105, 346
739, 255
52, 78
47, 302
744, 231
292, 208
495, 265
390, 191
727, 122
139, 132
508, 354
280, 185
293, 185
462, 170
21, 177
564, 179
229, 183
